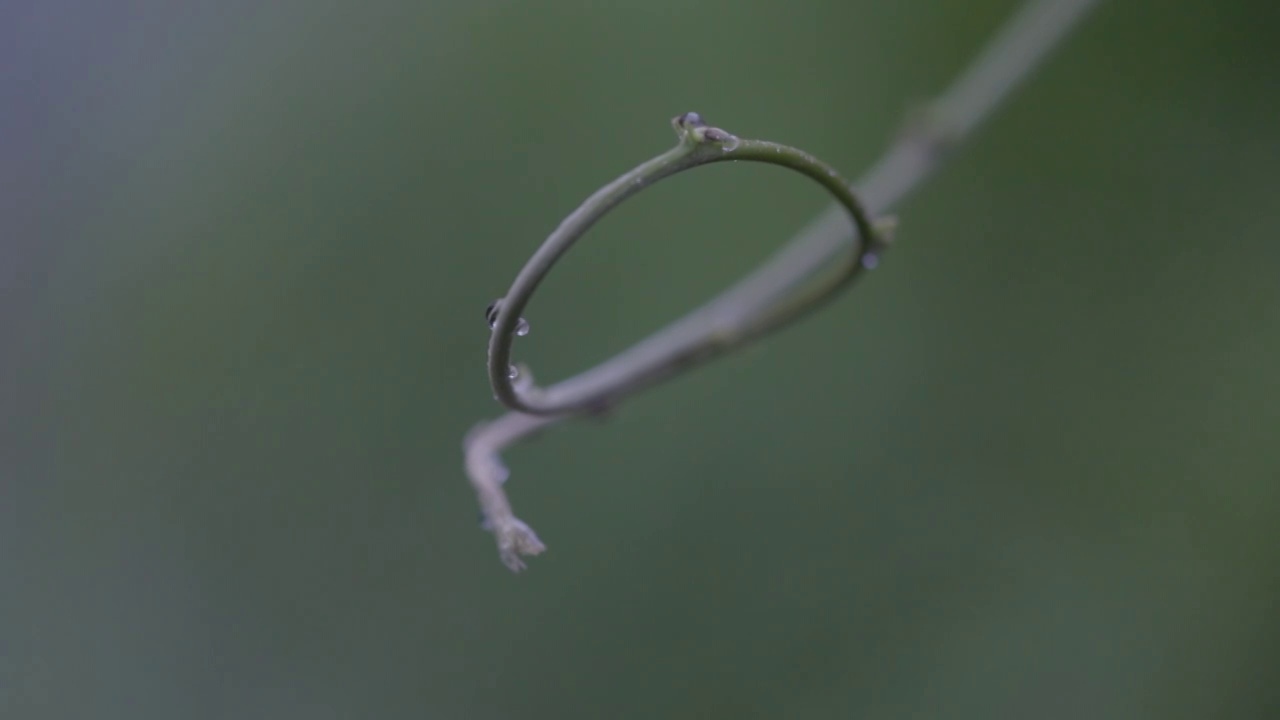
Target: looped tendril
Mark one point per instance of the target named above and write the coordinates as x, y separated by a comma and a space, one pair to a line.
707, 333
646, 363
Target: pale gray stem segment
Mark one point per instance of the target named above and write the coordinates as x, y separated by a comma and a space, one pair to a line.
767, 298
484, 445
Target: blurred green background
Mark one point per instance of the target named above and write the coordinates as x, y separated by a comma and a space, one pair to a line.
1028, 468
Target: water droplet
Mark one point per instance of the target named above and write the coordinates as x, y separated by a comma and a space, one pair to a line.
513, 372
871, 261
731, 144
491, 315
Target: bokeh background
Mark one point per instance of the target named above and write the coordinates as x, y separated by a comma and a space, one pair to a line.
1028, 469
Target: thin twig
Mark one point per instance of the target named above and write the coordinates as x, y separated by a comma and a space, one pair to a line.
699, 145
749, 306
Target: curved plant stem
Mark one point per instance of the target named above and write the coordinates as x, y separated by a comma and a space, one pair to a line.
643, 364
765, 299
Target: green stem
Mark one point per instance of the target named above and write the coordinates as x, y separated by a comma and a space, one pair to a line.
647, 363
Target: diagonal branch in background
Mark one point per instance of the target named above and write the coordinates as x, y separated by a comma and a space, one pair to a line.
764, 300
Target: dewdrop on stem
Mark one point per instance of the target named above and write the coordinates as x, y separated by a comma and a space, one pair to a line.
491, 315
